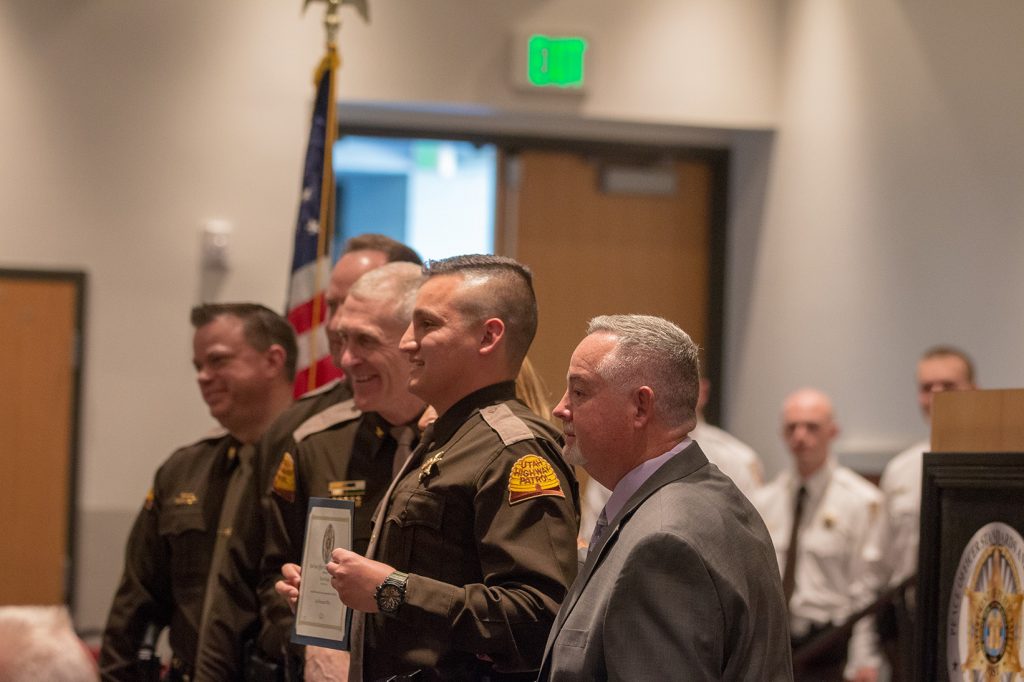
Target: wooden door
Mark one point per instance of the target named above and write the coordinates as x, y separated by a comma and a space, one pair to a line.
40, 322
596, 251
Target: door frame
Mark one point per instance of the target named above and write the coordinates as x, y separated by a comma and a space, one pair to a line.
78, 279
715, 154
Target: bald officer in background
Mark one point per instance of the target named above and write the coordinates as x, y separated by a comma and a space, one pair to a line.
826, 523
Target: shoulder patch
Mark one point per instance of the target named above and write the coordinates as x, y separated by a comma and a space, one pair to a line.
510, 428
150, 498
320, 390
284, 479
335, 414
532, 476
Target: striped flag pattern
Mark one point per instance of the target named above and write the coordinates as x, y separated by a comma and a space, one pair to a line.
311, 258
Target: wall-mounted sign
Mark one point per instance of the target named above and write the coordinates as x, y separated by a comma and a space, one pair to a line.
551, 61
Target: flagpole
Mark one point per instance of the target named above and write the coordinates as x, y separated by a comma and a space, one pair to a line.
330, 62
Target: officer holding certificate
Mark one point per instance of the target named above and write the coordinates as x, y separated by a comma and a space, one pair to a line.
474, 545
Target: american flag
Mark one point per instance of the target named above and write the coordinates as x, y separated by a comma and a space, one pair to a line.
311, 259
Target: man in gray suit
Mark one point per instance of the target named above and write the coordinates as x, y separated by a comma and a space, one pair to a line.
681, 582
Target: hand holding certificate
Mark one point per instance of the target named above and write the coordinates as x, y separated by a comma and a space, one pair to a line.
321, 618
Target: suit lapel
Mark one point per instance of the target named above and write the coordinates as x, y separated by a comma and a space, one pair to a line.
682, 465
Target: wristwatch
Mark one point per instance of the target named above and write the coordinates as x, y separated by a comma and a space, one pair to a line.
391, 593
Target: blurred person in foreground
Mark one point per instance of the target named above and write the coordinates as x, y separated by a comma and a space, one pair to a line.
37, 643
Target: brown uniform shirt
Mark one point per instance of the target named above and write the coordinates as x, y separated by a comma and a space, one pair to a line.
485, 524
169, 554
234, 613
342, 454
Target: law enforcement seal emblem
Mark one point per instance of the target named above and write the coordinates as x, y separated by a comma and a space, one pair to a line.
983, 639
327, 544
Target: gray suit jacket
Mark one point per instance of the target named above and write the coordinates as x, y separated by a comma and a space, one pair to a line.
684, 585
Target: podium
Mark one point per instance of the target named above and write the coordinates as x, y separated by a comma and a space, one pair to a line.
970, 594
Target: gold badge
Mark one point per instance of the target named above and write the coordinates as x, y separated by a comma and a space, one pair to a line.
532, 476
284, 479
185, 499
380, 432
986, 607
150, 498
430, 467
830, 521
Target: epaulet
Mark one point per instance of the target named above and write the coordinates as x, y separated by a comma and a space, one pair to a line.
319, 390
854, 482
335, 414
214, 433
510, 428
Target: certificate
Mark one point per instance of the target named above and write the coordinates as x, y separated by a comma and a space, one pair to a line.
321, 619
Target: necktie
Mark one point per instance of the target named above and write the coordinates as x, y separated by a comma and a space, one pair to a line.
599, 529
403, 435
240, 463
789, 574
355, 670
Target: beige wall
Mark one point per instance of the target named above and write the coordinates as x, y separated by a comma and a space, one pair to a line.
890, 215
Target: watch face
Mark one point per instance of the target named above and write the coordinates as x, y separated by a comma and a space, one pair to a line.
389, 598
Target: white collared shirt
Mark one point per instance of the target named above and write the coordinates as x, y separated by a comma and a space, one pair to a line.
901, 485
838, 559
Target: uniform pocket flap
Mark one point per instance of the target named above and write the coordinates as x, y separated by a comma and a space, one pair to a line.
417, 508
178, 521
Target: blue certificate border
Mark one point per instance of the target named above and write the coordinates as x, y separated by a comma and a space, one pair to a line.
344, 644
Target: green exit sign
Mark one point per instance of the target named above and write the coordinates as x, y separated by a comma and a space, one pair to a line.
555, 61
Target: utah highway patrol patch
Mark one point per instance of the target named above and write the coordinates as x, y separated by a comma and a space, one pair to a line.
150, 498
284, 479
532, 476
983, 638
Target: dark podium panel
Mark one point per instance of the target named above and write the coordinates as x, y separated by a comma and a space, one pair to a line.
970, 596
962, 495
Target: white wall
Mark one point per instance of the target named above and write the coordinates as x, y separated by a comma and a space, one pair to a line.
124, 125
889, 218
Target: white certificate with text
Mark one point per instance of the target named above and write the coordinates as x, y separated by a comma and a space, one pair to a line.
321, 619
